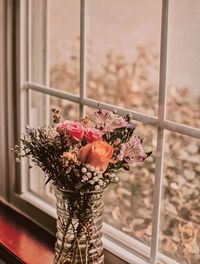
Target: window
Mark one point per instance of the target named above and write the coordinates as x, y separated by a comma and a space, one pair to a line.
77, 54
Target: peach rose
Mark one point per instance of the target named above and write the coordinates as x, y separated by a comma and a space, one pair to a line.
98, 154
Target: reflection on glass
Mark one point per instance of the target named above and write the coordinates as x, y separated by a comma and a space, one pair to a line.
123, 53
180, 237
64, 33
183, 68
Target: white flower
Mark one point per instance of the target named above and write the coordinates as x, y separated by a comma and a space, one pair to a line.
132, 151
107, 121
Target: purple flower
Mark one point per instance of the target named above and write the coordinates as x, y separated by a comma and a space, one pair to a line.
107, 121
132, 151
131, 125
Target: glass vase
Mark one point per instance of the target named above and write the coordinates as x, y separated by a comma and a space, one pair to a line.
79, 227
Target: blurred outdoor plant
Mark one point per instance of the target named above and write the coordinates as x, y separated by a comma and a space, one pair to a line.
129, 204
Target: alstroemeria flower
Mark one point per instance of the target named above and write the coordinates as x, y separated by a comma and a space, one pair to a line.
74, 129
98, 154
107, 121
132, 151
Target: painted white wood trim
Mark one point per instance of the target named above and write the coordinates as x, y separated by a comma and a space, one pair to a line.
157, 201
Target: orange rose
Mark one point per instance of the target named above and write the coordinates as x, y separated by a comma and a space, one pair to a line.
97, 154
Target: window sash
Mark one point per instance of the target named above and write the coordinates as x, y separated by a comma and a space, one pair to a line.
3, 76
141, 117
127, 244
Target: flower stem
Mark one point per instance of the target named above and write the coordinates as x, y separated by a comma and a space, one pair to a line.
86, 252
63, 240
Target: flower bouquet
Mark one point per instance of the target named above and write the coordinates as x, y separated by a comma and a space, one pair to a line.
81, 158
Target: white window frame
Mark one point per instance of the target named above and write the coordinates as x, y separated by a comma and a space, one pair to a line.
120, 244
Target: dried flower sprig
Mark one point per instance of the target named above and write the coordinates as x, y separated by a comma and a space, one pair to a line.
83, 155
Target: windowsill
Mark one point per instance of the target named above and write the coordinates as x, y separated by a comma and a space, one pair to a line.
21, 241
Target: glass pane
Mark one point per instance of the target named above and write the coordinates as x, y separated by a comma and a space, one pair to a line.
180, 237
129, 203
38, 52
184, 62
68, 110
38, 108
39, 115
64, 42
54, 44
123, 53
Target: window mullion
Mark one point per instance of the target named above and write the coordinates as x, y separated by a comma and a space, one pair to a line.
141, 117
82, 56
182, 129
157, 196
46, 64
160, 137
25, 70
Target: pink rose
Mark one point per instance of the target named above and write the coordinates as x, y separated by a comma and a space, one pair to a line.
74, 129
92, 134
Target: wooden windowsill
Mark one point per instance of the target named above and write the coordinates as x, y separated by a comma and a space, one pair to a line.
24, 242
21, 241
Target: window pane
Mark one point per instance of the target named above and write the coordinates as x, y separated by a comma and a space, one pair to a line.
68, 110
37, 42
39, 115
181, 208
38, 105
129, 203
184, 62
123, 53
64, 42
54, 44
